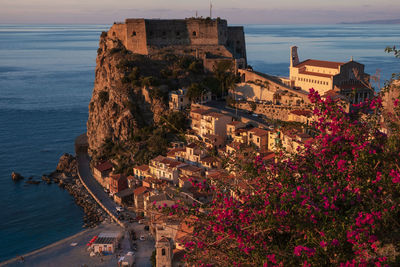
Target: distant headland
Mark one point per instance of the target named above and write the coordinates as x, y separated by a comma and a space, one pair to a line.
380, 21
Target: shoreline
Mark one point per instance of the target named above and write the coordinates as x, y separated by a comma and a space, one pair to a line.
62, 253
52, 245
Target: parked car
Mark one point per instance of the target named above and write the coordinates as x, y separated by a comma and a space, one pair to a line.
142, 238
119, 208
254, 115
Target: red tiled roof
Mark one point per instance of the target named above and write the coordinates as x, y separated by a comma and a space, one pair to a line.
142, 168
104, 166
319, 63
209, 160
258, 131
191, 168
316, 74
139, 190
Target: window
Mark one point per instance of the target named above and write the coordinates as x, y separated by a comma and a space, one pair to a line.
134, 33
163, 252
194, 33
164, 33
178, 33
258, 139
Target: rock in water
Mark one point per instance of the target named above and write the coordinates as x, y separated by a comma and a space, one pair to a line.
67, 165
16, 176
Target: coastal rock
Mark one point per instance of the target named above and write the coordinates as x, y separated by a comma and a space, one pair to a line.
118, 108
16, 176
67, 165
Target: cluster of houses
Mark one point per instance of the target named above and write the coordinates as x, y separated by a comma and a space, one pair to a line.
168, 179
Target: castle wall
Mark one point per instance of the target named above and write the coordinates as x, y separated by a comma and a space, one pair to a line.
136, 37
236, 42
196, 37
203, 32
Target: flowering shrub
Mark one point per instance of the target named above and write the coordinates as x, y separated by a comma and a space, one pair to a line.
334, 203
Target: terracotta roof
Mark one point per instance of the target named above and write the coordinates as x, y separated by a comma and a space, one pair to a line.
319, 63
209, 159
139, 190
191, 168
258, 131
104, 166
142, 168
311, 73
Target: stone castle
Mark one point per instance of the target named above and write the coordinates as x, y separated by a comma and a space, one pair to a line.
209, 39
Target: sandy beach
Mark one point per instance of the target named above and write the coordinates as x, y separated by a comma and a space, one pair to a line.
61, 253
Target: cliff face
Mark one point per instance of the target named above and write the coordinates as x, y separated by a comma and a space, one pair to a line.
117, 109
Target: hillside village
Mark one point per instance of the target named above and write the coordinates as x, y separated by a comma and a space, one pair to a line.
260, 115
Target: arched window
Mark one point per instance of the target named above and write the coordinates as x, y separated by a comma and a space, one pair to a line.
163, 252
194, 33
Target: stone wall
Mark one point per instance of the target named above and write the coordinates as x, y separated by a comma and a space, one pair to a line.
192, 36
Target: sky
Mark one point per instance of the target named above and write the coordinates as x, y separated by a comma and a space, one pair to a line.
235, 11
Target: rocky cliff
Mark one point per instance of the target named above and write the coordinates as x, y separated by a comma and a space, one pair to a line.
117, 108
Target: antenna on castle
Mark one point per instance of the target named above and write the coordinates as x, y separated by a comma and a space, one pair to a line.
210, 10
196, 14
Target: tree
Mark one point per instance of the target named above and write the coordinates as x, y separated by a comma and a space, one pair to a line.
194, 91
335, 202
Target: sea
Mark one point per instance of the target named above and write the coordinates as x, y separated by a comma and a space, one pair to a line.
46, 80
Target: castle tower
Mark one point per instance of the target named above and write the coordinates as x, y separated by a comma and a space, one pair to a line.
294, 58
164, 253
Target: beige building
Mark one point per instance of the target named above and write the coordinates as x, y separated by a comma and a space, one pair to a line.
232, 127
165, 169
328, 75
258, 137
191, 154
141, 171
214, 123
178, 100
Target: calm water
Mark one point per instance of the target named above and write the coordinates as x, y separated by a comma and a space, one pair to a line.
46, 79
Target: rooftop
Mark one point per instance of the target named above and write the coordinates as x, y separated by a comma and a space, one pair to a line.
316, 74
142, 168
319, 63
104, 166
258, 131
139, 190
